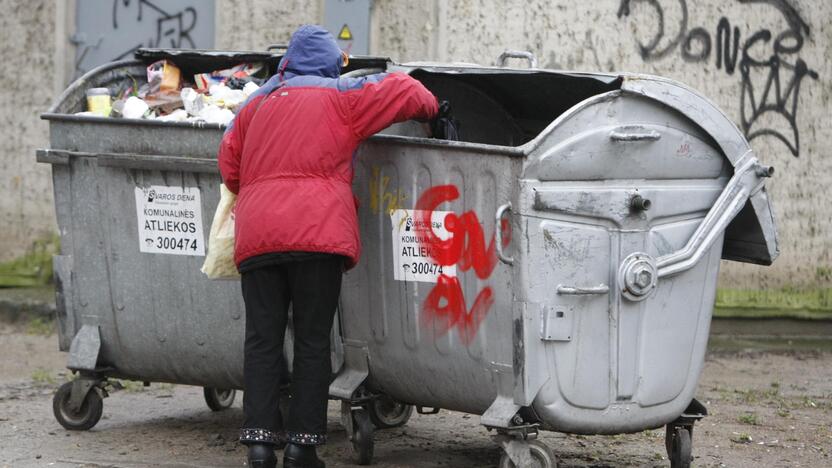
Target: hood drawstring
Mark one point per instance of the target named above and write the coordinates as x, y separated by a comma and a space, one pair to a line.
283, 68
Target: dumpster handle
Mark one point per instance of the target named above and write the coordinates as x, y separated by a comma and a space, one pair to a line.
745, 179
583, 291
521, 54
639, 271
498, 234
626, 133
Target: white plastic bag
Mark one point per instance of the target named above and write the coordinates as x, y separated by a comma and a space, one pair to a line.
219, 262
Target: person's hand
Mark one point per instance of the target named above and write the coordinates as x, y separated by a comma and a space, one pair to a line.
444, 126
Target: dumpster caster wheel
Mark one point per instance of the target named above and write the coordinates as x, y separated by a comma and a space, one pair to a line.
678, 442
362, 436
84, 417
542, 456
387, 413
218, 399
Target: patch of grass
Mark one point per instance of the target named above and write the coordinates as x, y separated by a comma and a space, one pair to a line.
42, 376
783, 413
130, 386
134, 386
748, 418
40, 326
823, 274
809, 402
787, 302
753, 396
742, 438
34, 268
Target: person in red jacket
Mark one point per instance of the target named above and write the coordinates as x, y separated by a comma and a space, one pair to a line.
288, 155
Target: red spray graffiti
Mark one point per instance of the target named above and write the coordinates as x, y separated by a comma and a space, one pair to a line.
465, 247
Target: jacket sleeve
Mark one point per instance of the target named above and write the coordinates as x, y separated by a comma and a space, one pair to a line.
231, 148
396, 97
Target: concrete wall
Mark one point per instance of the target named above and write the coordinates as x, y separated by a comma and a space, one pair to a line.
256, 24
27, 35
691, 41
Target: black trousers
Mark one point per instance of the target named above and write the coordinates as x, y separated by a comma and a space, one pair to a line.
312, 287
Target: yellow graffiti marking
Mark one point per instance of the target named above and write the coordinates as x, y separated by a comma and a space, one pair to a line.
381, 197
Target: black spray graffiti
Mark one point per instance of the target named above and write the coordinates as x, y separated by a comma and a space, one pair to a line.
771, 70
172, 29
164, 29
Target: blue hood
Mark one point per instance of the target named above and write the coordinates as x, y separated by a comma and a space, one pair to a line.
312, 51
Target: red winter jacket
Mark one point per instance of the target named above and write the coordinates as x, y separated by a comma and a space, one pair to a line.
289, 152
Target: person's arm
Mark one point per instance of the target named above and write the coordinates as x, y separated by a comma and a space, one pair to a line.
385, 99
231, 148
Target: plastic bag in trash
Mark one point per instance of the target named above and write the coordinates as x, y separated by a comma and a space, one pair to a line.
164, 102
193, 101
204, 81
163, 76
250, 88
134, 108
224, 96
214, 114
179, 115
219, 261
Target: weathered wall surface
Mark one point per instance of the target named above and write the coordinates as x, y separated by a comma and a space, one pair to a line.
256, 24
766, 63
26, 89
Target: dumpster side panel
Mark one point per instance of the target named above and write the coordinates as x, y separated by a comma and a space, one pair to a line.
617, 364
172, 323
452, 359
62, 264
92, 300
159, 318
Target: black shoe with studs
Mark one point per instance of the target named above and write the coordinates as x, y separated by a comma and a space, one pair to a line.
301, 456
261, 456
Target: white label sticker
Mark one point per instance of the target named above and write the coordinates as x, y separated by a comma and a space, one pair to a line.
170, 220
411, 253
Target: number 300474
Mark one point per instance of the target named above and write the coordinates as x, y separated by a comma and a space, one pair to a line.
426, 268
173, 243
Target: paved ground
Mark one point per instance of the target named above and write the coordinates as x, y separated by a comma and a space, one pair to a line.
767, 409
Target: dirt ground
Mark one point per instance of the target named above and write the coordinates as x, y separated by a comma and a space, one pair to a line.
766, 409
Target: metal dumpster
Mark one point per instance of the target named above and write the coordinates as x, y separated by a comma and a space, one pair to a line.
554, 269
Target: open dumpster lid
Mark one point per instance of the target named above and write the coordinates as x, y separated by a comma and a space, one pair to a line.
199, 61
532, 98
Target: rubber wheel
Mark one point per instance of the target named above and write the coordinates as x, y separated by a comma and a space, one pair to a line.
218, 399
85, 418
387, 413
542, 456
362, 439
679, 444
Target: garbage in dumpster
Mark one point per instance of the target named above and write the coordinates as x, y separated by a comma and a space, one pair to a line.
193, 101
163, 76
98, 101
250, 88
164, 102
223, 96
236, 74
214, 114
134, 108
213, 98
179, 115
